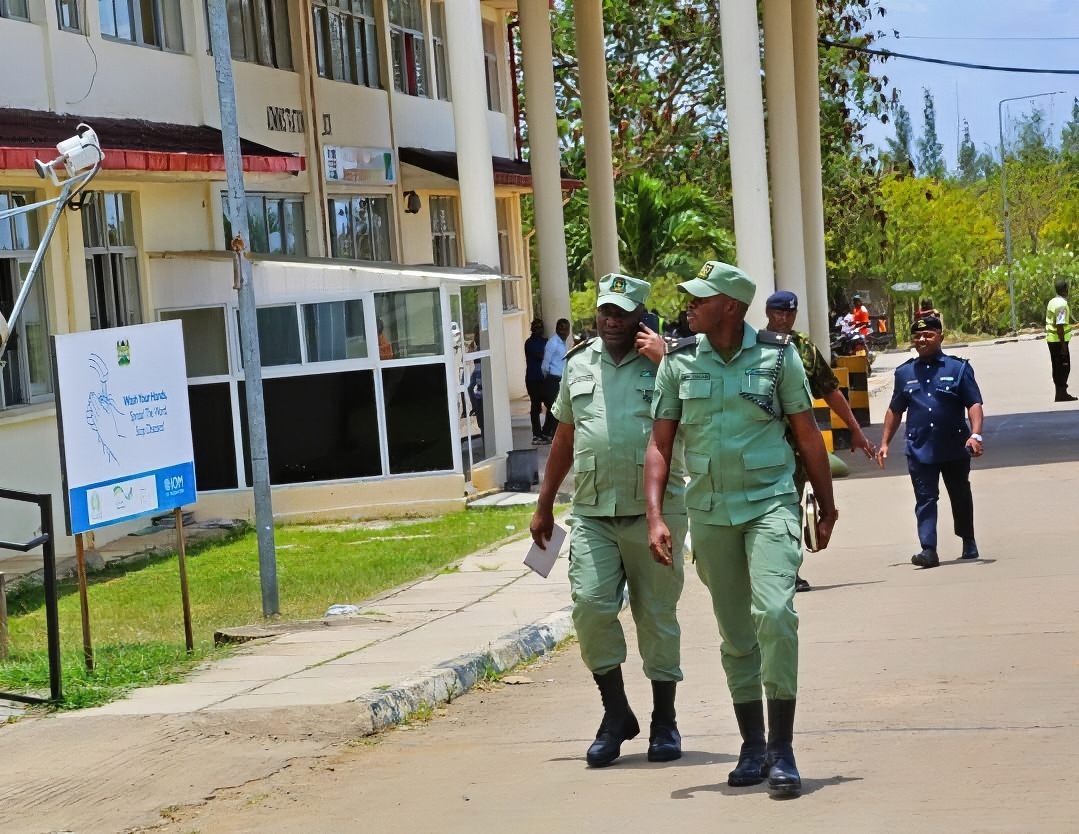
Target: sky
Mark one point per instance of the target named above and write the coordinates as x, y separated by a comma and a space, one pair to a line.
1008, 32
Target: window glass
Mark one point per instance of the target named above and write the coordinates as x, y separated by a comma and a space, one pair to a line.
417, 418
279, 336
444, 231
474, 324
334, 330
27, 369
295, 228
112, 272
145, 22
409, 52
212, 436
16, 9
346, 42
438, 41
409, 324
361, 228
258, 31
276, 224
205, 341
20, 231
334, 434
491, 66
67, 13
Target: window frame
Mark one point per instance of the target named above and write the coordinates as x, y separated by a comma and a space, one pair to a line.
114, 257
134, 9
451, 234
443, 90
352, 198
268, 18
492, 66
7, 13
413, 77
19, 258
283, 199
73, 8
359, 19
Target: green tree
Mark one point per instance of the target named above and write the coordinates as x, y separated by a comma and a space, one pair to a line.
968, 158
1069, 135
899, 146
930, 151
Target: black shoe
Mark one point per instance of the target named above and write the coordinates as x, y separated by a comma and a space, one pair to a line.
751, 768
784, 781
537, 440
801, 585
970, 550
926, 559
664, 740
1063, 396
619, 723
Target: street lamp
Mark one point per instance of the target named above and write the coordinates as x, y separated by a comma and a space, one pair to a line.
1004, 194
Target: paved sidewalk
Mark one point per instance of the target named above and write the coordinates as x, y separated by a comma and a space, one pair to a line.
398, 635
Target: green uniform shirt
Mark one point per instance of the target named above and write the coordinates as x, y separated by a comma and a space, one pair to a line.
740, 465
609, 406
1057, 313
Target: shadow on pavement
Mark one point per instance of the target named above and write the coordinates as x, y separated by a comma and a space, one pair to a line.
639, 761
808, 786
816, 588
946, 564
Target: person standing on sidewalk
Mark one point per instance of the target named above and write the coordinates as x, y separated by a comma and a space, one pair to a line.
1058, 335
535, 347
782, 309
554, 357
604, 414
935, 390
731, 395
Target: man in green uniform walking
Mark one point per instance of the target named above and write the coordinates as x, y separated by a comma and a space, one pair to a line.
604, 419
730, 395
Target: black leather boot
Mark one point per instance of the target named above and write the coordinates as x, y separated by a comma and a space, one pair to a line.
619, 723
783, 777
664, 740
751, 768
970, 549
926, 559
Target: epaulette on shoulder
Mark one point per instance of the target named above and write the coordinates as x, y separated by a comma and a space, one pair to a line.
579, 347
682, 344
767, 337
901, 364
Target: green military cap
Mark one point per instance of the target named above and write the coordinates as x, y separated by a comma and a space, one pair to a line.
715, 278
622, 291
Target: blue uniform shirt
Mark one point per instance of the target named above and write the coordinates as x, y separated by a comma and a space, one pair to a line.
935, 395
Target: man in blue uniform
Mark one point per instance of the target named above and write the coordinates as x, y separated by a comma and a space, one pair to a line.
935, 390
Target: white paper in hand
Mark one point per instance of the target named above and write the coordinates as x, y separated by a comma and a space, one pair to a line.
541, 561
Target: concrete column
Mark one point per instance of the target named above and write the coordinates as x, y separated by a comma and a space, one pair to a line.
745, 128
464, 45
807, 94
783, 149
596, 113
545, 157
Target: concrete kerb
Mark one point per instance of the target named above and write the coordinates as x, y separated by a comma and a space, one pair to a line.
453, 678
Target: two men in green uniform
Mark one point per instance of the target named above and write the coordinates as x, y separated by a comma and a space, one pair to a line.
604, 421
730, 396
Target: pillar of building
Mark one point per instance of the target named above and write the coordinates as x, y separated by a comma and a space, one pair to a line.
745, 131
783, 167
596, 114
475, 174
807, 95
544, 155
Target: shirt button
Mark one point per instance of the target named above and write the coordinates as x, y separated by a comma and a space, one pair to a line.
930, 425
930, 408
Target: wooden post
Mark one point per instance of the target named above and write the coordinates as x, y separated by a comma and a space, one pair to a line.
189, 638
84, 604
3, 619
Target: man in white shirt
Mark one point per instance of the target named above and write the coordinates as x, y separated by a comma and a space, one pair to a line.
554, 358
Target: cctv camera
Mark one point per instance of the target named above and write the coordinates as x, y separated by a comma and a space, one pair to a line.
77, 154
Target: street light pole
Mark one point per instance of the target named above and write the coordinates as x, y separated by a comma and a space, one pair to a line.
249, 341
1004, 196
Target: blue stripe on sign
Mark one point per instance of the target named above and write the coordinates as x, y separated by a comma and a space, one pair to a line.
175, 488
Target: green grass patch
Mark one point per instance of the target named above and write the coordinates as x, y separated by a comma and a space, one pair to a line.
135, 614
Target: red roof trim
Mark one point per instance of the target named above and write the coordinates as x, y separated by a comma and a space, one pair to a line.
22, 159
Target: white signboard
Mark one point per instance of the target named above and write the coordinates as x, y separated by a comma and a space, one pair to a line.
125, 425
370, 166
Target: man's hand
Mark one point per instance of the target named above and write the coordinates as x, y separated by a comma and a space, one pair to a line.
659, 542
542, 526
882, 455
651, 345
976, 448
825, 525
858, 440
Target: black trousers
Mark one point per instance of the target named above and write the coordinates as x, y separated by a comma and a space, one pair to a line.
551, 384
1060, 356
926, 479
542, 395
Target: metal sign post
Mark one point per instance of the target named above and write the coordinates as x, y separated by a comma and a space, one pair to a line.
84, 604
189, 639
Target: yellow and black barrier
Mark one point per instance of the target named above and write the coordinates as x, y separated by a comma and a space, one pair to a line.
853, 375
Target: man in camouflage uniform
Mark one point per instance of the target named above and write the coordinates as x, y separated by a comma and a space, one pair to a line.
782, 309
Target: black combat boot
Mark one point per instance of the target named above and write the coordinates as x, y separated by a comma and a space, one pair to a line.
1063, 396
926, 559
619, 723
664, 741
783, 778
751, 768
970, 549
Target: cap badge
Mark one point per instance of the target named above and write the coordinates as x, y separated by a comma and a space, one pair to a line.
618, 285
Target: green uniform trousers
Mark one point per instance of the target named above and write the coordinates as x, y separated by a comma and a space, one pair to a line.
606, 554
749, 569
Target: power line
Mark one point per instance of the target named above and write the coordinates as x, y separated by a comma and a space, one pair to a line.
975, 38
887, 53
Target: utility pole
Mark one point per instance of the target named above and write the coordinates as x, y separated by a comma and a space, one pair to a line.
249, 340
1004, 196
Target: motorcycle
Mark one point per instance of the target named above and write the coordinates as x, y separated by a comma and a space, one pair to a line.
852, 344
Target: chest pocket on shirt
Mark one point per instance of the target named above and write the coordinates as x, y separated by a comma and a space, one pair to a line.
696, 397
758, 386
947, 388
581, 391
642, 399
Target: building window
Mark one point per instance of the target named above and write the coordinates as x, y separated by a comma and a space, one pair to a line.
154, 23
112, 273
417, 440
334, 331
490, 63
361, 228
346, 41
15, 9
276, 224
25, 369
206, 346
409, 324
438, 42
279, 336
505, 251
408, 47
258, 31
67, 13
444, 231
